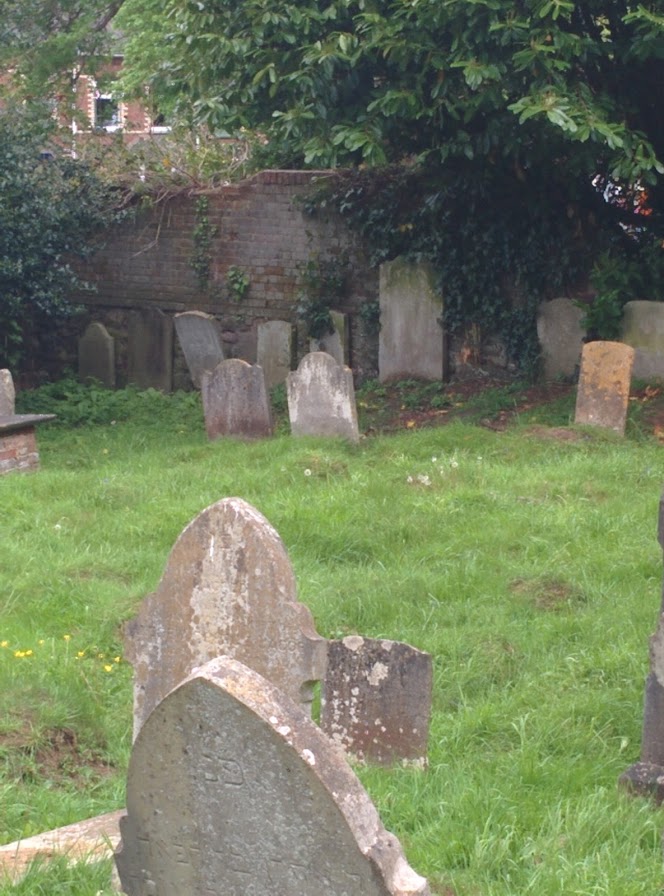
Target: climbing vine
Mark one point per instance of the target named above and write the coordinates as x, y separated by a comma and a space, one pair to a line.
203, 234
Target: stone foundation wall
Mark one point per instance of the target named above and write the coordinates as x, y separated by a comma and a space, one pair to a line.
18, 451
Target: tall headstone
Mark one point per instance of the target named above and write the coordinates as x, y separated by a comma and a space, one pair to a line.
150, 358
96, 355
643, 329
235, 401
560, 336
336, 343
199, 335
646, 777
376, 700
233, 791
228, 588
275, 350
321, 398
603, 394
411, 342
7, 394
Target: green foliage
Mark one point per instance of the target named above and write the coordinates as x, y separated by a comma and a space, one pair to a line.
50, 208
204, 233
323, 282
238, 282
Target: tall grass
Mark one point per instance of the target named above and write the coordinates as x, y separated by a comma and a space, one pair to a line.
528, 568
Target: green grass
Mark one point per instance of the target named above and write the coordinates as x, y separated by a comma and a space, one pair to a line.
528, 567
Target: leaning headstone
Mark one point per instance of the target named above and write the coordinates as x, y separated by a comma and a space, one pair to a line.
560, 335
337, 342
199, 335
150, 361
232, 790
410, 342
321, 398
646, 777
235, 401
643, 329
7, 394
96, 355
603, 394
376, 700
275, 350
228, 588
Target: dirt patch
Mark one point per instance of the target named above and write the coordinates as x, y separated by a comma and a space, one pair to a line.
546, 594
52, 755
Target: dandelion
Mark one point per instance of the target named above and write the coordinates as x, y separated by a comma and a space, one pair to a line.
423, 479
307, 472
19, 654
80, 654
105, 451
4, 643
409, 480
454, 463
116, 659
100, 656
41, 642
57, 526
28, 653
433, 460
108, 667
67, 637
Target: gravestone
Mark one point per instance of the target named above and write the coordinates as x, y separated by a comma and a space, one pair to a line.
646, 777
376, 700
233, 791
337, 342
410, 342
603, 394
199, 335
228, 588
321, 398
96, 355
275, 351
7, 394
150, 360
560, 335
643, 329
235, 401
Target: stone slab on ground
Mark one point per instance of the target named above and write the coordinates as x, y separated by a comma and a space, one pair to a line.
232, 790
604, 383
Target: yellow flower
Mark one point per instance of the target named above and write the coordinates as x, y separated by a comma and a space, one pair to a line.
67, 637
28, 653
41, 642
116, 659
19, 653
81, 653
100, 656
4, 643
410, 424
108, 667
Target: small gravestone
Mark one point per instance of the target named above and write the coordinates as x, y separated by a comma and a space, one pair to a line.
335, 343
410, 342
235, 401
643, 329
560, 336
603, 394
7, 394
150, 360
96, 355
376, 700
228, 588
199, 335
646, 777
321, 398
233, 791
275, 351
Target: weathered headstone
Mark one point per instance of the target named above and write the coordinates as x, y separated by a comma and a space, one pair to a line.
233, 791
376, 699
199, 335
7, 394
646, 777
603, 394
235, 401
321, 398
410, 342
560, 336
337, 342
150, 360
643, 329
96, 355
228, 588
275, 350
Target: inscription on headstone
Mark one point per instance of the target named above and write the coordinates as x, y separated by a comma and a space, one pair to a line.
233, 791
96, 355
150, 358
228, 588
199, 335
275, 351
321, 398
603, 395
235, 401
376, 699
7, 394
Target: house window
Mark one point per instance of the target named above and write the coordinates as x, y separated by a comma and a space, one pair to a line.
107, 113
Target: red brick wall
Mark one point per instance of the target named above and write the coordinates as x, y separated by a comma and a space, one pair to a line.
18, 451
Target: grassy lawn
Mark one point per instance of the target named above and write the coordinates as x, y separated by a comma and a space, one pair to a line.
527, 565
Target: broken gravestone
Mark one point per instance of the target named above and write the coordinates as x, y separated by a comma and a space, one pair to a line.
199, 335
235, 401
150, 357
228, 588
7, 394
321, 398
646, 777
232, 791
96, 355
376, 700
274, 350
603, 394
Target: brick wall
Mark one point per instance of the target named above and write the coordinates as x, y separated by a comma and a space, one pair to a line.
18, 451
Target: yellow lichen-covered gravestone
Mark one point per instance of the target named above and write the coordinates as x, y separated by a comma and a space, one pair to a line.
604, 382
